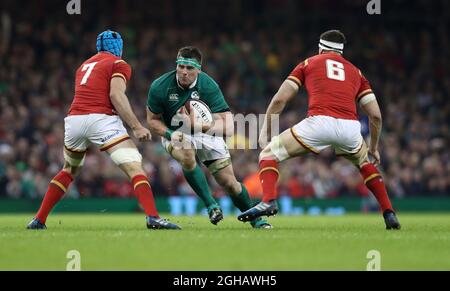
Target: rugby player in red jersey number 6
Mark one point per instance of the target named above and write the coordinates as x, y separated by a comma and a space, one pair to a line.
335, 86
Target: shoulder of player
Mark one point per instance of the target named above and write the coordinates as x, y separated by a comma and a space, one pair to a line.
355, 69
306, 62
205, 82
339, 58
92, 59
120, 61
312, 59
110, 58
163, 82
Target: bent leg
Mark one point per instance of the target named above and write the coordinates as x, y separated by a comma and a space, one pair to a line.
60, 183
372, 177
238, 193
129, 160
281, 148
194, 175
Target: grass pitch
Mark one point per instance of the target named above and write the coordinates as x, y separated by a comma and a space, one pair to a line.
121, 242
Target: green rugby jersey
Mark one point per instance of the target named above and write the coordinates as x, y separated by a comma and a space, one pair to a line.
166, 96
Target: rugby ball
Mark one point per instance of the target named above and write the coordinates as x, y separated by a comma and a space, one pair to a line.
199, 111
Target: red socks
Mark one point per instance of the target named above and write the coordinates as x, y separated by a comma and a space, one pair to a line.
373, 180
144, 195
268, 175
56, 190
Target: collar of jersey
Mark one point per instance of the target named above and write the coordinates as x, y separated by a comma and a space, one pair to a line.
190, 86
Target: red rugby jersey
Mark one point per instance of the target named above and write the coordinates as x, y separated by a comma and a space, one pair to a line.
334, 85
92, 84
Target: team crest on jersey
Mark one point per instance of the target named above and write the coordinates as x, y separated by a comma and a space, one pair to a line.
173, 97
195, 95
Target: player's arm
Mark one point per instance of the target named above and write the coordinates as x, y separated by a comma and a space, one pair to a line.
223, 123
121, 104
370, 106
155, 124
285, 93
155, 110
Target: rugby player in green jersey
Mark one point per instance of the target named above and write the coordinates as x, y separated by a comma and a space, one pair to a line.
165, 112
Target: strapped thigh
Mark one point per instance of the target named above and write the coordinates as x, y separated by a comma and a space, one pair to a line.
358, 158
278, 150
126, 155
217, 165
72, 158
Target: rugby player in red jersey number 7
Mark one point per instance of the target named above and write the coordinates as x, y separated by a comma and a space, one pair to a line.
93, 118
335, 87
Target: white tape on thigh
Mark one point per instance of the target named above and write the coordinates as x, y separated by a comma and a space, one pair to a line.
126, 155
73, 162
278, 149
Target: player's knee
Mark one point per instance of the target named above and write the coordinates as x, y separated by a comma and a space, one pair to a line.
361, 158
73, 165
274, 150
362, 162
265, 154
188, 159
74, 171
133, 169
218, 165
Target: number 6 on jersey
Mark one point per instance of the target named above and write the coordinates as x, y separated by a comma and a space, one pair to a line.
89, 67
335, 70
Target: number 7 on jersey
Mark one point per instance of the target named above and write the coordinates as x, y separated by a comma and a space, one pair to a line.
89, 67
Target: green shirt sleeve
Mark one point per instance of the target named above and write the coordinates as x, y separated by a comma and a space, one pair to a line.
153, 101
215, 99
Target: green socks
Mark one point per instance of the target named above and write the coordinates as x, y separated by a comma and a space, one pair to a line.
242, 200
197, 180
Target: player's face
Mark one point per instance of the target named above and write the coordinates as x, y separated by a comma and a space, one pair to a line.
186, 75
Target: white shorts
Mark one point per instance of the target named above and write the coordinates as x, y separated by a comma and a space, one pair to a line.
102, 130
317, 133
207, 147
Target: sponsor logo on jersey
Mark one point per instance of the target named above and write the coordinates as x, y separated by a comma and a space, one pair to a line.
195, 95
173, 97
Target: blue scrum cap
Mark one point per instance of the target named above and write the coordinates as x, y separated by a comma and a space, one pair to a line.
110, 41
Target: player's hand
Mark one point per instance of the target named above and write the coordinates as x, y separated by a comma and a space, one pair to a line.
177, 137
142, 133
207, 126
376, 156
185, 118
196, 126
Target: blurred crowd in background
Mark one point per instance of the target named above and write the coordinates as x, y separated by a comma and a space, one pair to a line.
249, 48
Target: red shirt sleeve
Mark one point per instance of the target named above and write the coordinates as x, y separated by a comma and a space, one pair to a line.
364, 88
298, 74
121, 69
